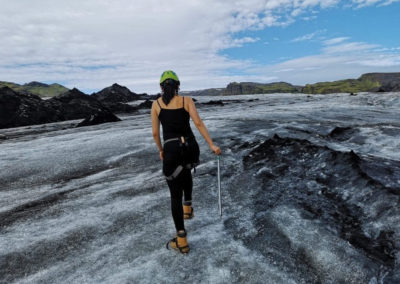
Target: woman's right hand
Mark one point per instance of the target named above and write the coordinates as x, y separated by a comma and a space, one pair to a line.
215, 149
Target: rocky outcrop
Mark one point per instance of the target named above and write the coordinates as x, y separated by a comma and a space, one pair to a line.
74, 105
258, 88
389, 82
102, 116
234, 89
219, 102
21, 109
116, 94
383, 78
24, 109
120, 107
146, 105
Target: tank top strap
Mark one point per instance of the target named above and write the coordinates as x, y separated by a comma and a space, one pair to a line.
183, 101
159, 104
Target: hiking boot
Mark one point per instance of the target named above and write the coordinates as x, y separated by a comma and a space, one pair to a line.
179, 243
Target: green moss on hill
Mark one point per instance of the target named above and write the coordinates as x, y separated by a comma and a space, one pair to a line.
370, 82
36, 88
342, 86
10, 85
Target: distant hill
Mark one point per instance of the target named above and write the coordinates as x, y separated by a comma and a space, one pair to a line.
258, 88
370, 82
205, 92
362, 84
36, 88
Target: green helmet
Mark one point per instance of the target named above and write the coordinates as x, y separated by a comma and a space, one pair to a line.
169, 74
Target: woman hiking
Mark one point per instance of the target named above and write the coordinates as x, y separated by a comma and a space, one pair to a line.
180, 151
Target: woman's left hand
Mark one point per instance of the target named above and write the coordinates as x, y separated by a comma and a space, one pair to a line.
162, 155
215, 149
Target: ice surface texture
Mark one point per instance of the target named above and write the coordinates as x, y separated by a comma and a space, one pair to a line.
90, 205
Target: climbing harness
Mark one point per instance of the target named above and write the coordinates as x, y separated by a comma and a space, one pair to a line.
188, 164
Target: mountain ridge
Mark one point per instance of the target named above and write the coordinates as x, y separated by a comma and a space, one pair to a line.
368, 82
36, 88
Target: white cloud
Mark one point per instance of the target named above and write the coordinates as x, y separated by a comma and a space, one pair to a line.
237, 42
304, 37
390, 60
326, 67
363, 3
337, 61
336, 40
349, 47
284, 70
93, 43
308, 37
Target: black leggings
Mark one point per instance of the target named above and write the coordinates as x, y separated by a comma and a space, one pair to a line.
182, 184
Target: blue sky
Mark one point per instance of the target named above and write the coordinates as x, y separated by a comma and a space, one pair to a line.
94, 43
372, 24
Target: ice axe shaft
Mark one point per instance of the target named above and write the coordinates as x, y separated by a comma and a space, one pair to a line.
219, 188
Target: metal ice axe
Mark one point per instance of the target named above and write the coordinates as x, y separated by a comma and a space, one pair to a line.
219, 188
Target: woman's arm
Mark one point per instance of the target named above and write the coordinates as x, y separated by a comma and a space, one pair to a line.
155, 124
200, 125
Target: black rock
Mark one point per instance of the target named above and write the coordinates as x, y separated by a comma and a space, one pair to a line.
102, 116
389, 82
151, 97
74, 104
242, 88
287, 166
342, 133
146, 104
120, 107
116, 94
219, 102
18, 109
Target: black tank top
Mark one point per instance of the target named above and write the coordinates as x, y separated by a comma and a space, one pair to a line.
175, 122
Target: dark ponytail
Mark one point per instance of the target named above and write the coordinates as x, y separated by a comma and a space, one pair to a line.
170, 88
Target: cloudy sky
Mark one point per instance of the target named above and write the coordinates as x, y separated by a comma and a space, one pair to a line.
90, 44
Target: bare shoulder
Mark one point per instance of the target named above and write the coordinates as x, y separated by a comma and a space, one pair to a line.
155, 106
188, 99
157, 101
